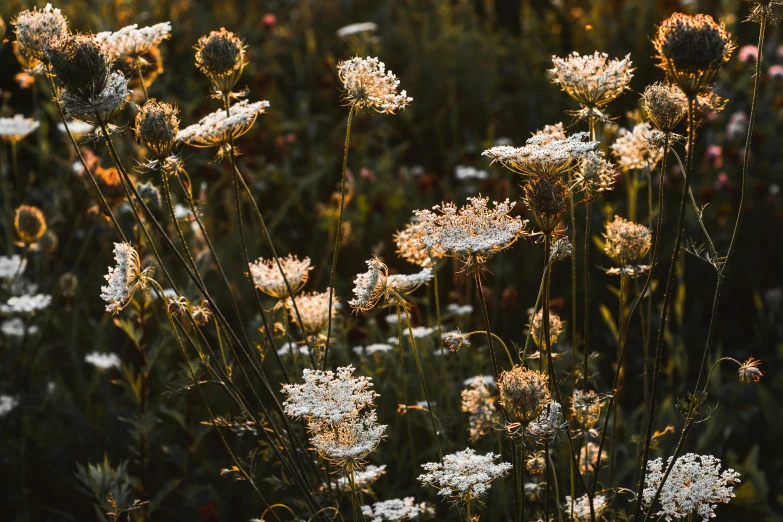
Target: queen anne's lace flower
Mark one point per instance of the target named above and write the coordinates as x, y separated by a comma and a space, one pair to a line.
473, 232
376, 283
588, 457
477, 400
580, 508
347, 443
26, 304
548, 424
695, 485
103, 361
217, 128
627, 243
328, 396
133, 42
372, 349
396, 509
101, 108
595, 174
362, 479
353, 29
313, 309
17, 128
11, 266
36, 29
7, 404
537, 327
592, 80
419, 332
544, 153
124, 279
268, 278
367, 84
455, 309
632, 148
15, 327
290, 348
406, 283
410, 248
463, 476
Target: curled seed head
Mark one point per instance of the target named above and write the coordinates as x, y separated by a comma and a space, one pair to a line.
749, 371
220, 55
36, 29
30, 224
547, 197
665, 105
82, 64
627, 242
523, 393
157, 125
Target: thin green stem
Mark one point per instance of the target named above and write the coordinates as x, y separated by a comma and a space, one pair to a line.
586, 335
444, 372
141, 79
405, 387
484, 332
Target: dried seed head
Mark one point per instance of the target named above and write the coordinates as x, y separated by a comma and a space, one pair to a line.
69, 283
595, 174
124, 278
157, 125
626, 242
691, 50
537, 328
102, 108
220, 55
749, 371
548, 198
536, 463
201, 313
30, 224
665, 104
632, 148
762, 12
36, 29
523, 393
586, 408
82, 64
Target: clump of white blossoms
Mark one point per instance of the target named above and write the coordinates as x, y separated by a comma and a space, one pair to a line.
328, 396
592, 80
396, 509
15, 129
580, 508
362, 479
368, 85
133, 42
632, 149
354, 29
103, 361
545, 153
376, 283
418, 332
347, 443
695, 485
626, 243
7, 403
36, 29
124, 279
464, 476
473, 232
15, 327
218, 128
268, 277
26, 304
11, 266
455, 309
372, 349
313, 309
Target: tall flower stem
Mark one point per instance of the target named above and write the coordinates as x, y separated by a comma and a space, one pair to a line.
141, 79
621, 329
338, 232
667, 298
405, 387
588, 218
645, 288
444, 372
357, 510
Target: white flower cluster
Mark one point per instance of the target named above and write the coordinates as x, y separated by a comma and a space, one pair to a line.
133, 42
11, 266
78, 128
463, 475
101, 108
474, 230
372, 349
103, 361
455, 309
353, 29
269, 279
368, 286
361, 479
479, 379
217, 128
328, 396
26, 304
35, 30
544, 153
419, 332
290, 348
17, 128
548, 423
632, 148
477, 400
367, 84
406, 283
581, 506
695, 485
7, 403
396, 509
313, 309
124, 278
15, 327
348, 442
466, 172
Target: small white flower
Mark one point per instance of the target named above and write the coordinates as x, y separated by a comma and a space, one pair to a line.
290, 348
103, 361
455, 309
77, 128
479, 379
328, 396
124, 279
11, 267
133, 42
17, 128
15, 327
26, 304
371, 349
367, 84
353, 29
419, 332
463, 476
581, 506
396, 509
217, 129
465, 173
7, 403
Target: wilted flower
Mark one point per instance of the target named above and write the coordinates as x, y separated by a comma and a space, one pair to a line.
220, 55
15, 129
665, 104
762, 12
537, 327
691, 49
535, 463
595, 174
313, 309
269, 279
749, 371
544, 153
133, 42
37, 29
694, 486
632, 148
328, 396
523, 393
396, 509
30, 224
472, 233
157, 125
455, 340
367, 84
217, 128
201, 313
124, 279
464, 476
592, 80
627, 243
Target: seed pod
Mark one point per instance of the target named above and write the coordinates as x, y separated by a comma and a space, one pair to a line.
30, 224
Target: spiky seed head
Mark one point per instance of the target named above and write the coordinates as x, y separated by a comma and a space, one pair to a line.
626, 242
749, 371
30, 224
537, 328
82, 64
691, 49
220, 55
157, 125
36, 30
523, 393
665, 105
548, 198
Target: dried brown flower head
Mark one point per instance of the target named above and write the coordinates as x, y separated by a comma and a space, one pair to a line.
749, 371
595, 174
36, 29
761, 12
586, 408
627, 243
220, 55
632, 148
691, 49
537, 328
157, 125
665, 104
548, 198
588, 456
523, 393
201, 313
81, 63
30, 224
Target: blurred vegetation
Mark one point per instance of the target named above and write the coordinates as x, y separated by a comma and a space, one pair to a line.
477, 73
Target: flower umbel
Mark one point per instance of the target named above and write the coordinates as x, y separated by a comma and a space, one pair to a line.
627, 243
268, 278
124, 279
328, 396
464, 476
544, 153
368, 85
